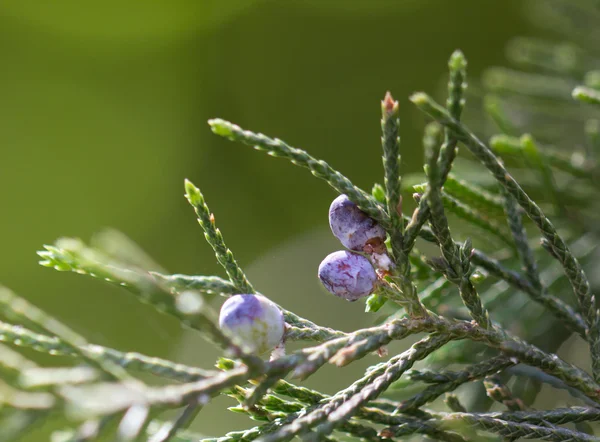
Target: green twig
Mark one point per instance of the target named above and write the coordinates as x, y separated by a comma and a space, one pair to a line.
390, 141
214, 237
457, 258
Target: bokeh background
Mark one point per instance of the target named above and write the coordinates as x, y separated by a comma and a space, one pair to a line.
103, 109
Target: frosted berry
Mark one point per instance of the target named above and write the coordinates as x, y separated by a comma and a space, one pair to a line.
352, 226
254, 320
348, 275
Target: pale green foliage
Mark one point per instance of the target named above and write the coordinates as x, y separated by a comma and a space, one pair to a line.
482, 302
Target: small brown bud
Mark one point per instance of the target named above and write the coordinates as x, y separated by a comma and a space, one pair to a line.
382, 351
386, 433
375, 245
389, 106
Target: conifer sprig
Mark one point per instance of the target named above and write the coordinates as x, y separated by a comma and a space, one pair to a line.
448, 150
213, 236
457, 258
390, 141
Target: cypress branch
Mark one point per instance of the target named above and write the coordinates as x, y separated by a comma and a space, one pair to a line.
214, 237
562, 253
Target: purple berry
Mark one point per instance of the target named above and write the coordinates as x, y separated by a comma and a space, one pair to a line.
352, 226
254, 320
348, 275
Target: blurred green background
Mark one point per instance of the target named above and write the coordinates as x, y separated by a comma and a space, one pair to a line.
103, 114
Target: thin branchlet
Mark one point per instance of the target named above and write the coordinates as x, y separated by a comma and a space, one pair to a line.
455, 103
514, 429
390, 141
448, 150
21, 336
213, 236
537, 292
457, 258
476, 218
158, 289
447, 382
344, 403
23, 312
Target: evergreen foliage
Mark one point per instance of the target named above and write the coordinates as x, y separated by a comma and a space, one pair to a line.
490, 319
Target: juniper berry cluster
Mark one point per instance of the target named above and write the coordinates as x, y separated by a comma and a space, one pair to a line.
349, 274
